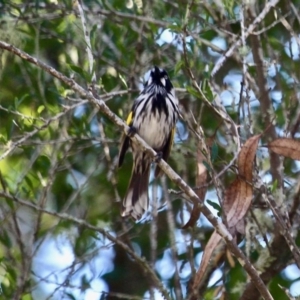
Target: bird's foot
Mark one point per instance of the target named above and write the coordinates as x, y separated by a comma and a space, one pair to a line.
158, 157
132, 131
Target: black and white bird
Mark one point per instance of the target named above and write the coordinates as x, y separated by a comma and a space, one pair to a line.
153, 117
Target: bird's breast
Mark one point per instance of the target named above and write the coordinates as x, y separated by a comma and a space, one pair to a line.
155, 129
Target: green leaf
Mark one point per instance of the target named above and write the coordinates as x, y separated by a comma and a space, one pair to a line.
81, 72
123, 80
208, 92
29, 182
274, 186
193, 91
178, 67
5, 239
76, 69
175, 28
40, 109
3, 139
207, 166
18, 101
93, 35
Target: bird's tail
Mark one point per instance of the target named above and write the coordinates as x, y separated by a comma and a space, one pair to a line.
136, 201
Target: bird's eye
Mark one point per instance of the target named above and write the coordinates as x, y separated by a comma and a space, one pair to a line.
166, 77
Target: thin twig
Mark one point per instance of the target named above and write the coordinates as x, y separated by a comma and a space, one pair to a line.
88, 41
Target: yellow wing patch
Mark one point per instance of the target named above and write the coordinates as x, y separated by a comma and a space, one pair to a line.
129, 119
172, 136
125, 139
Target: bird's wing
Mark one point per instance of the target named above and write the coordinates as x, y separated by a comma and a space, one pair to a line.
166, 151
125, 140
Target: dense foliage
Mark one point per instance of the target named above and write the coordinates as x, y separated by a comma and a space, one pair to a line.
235, 67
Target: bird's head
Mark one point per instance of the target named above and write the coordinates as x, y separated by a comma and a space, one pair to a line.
159, 77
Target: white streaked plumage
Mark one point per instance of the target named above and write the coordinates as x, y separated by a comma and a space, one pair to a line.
154, 116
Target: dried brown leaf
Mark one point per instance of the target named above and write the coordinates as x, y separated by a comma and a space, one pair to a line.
230, 259
246, 157
201, 180
238, 195
195, 214
208, 252
237, 201
286, 147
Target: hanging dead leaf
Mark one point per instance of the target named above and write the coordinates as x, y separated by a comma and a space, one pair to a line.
246, 157
230, 259
286, 147
238, 195
237, 201
207, 255
195, 214
201, 180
